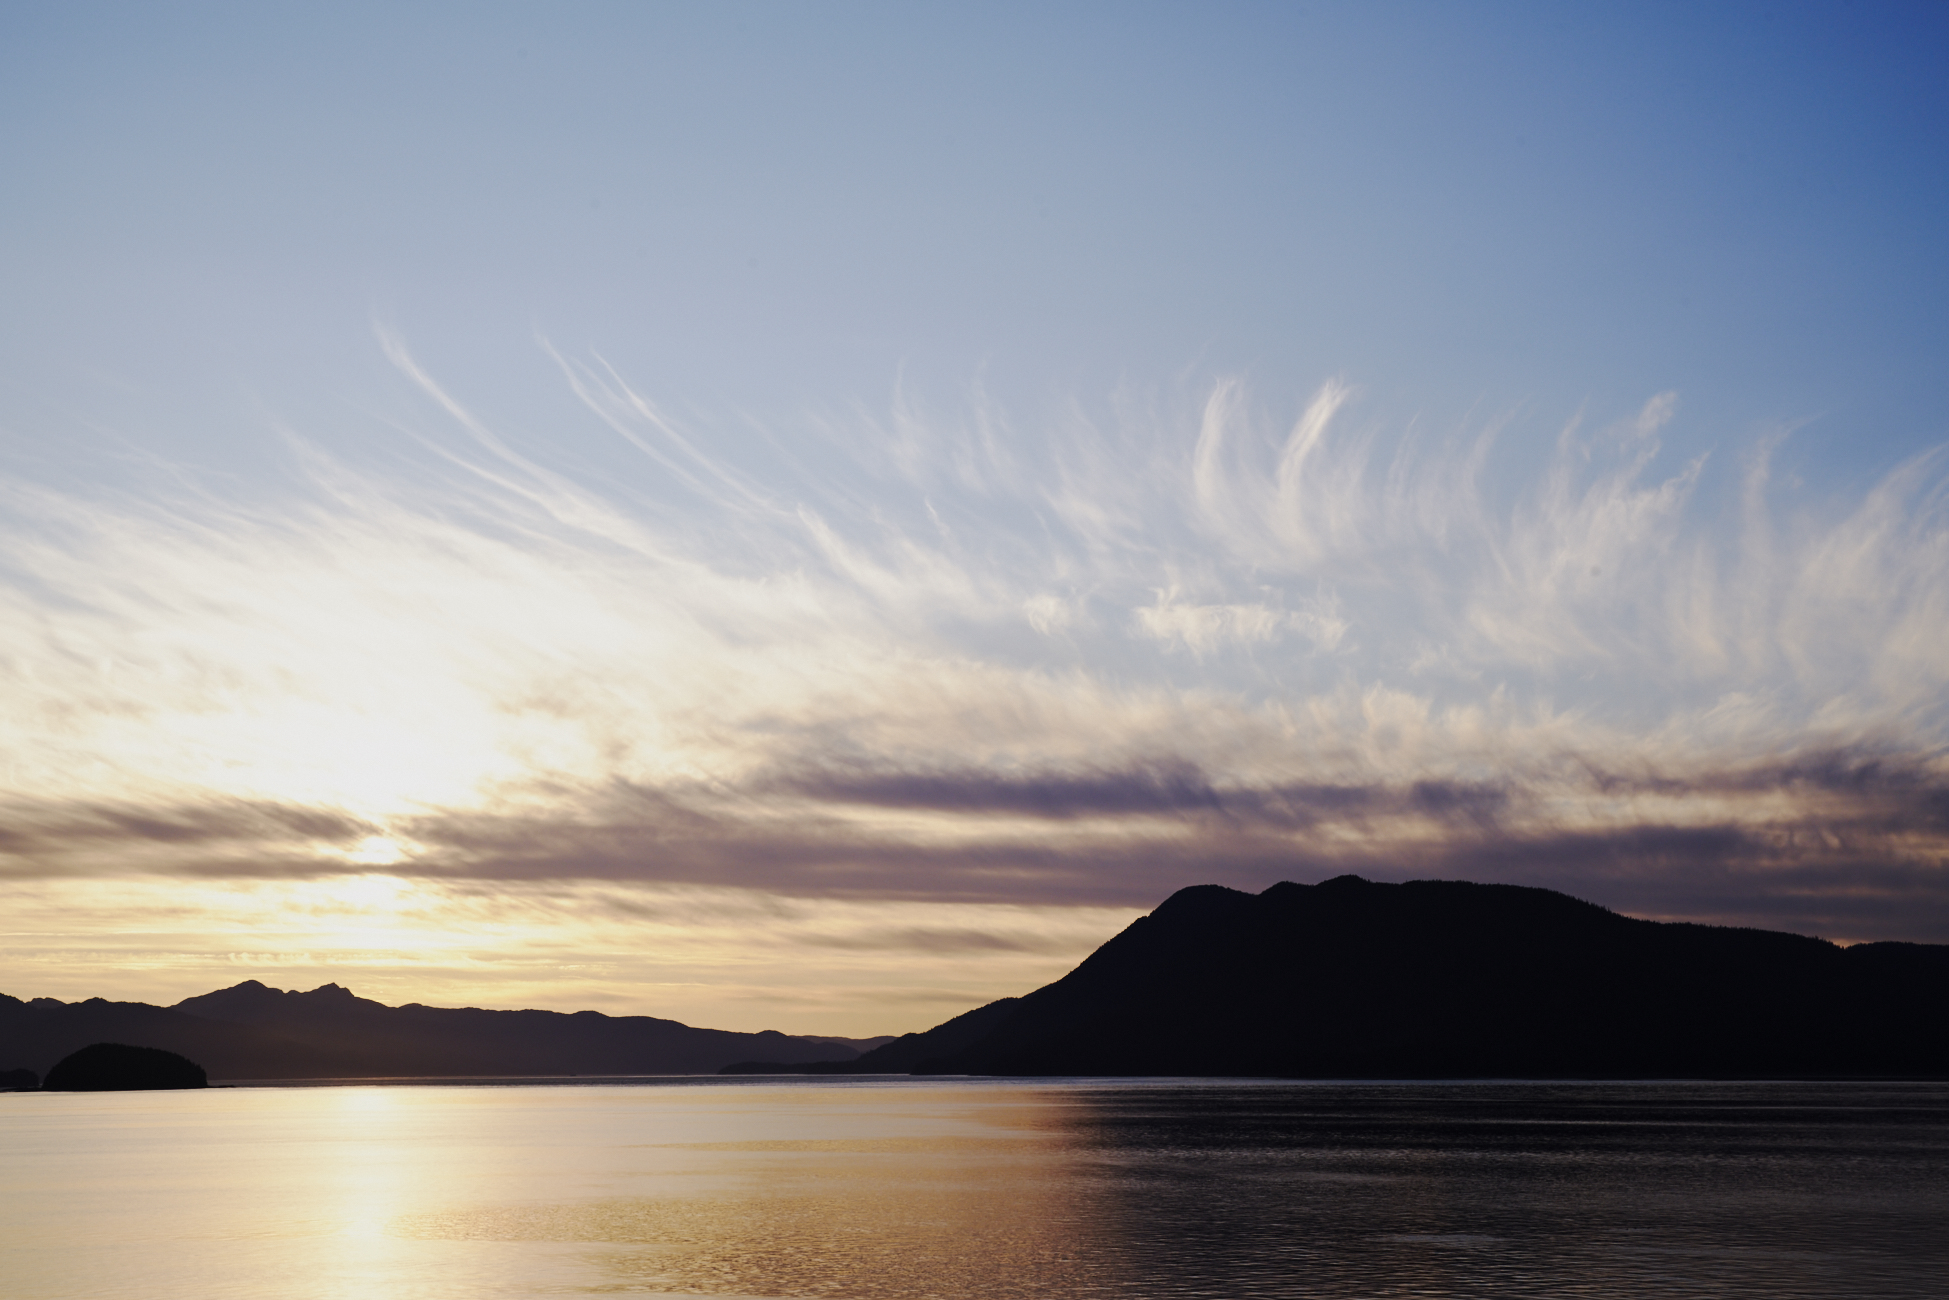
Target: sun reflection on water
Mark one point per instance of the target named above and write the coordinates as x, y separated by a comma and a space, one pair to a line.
880, 1189
944, 1215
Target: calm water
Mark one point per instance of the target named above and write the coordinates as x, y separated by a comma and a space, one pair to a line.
897, 1188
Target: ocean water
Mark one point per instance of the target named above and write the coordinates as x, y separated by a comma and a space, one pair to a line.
952, 1188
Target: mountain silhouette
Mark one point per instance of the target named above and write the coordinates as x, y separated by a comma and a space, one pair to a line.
1446, 979
904, 1054
250, 1031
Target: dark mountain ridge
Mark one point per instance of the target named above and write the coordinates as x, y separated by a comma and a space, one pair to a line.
1446, 979
250, 1031
906, 1054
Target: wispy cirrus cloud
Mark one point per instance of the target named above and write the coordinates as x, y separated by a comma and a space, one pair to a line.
953, 662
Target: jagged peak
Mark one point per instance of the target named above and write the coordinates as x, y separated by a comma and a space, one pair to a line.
248, 989
330, 991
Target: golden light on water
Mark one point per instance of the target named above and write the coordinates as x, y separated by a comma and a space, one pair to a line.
904, 1189
441, 1191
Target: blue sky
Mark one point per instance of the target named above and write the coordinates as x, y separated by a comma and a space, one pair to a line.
763, 207
1055, 453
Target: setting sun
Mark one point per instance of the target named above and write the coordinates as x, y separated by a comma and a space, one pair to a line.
377, 851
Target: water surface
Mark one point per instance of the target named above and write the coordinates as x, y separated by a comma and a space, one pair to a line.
885, 1188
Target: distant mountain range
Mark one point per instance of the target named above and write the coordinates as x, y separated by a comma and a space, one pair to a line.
250, 1031
1445, 979
1344, 979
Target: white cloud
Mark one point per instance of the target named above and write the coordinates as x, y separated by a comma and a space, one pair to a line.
1203, 629
1082, 668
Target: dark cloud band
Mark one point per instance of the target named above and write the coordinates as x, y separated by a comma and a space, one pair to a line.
1852, 844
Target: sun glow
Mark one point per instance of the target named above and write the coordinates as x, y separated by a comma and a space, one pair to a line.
377, 851
728, 959
480, 734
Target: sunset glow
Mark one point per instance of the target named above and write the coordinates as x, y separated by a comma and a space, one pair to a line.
506, 650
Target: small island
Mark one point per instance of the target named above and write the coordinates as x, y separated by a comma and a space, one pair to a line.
119, 1067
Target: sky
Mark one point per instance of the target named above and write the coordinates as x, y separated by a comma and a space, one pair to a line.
814, 517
